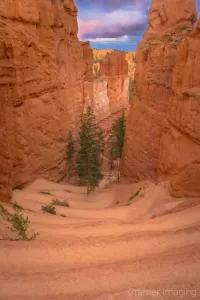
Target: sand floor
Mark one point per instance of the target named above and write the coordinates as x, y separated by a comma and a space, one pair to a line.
106, 247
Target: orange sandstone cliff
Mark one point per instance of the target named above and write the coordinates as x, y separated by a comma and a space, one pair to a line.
180, 143
111, 88
158, 98
5, 158
100, 54
130, 57
45, 74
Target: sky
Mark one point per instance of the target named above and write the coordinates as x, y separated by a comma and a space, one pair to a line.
115, 24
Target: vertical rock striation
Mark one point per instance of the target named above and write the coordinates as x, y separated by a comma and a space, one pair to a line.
130, 57
169, 23
44, 75
100, 54
180, 143
5, 161
111, 88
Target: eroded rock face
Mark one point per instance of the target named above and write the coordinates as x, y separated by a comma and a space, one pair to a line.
110, 94
113, 64
45, 74
111, 88
130, 57
100, 54
5, 161
169, 22
180, 143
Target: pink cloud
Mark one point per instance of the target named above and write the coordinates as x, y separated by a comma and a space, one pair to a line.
112, 25
86, 26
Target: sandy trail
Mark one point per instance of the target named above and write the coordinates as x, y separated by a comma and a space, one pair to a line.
101, 249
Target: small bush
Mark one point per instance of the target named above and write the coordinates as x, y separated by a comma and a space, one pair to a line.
18, 223
17, 187
62, 215
17, 206
21, 225
49, 209
134, 195
60, 202
45, 193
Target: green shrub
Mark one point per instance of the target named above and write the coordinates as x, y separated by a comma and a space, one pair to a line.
60, 202
134, 195
17, 187
45, 193
17, 206
49, 209
62, 215
18, 223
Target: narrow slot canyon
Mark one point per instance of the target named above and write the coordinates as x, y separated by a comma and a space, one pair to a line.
99, 150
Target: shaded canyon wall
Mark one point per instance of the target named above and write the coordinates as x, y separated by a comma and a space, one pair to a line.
44, 75
46, 84
111, 89
162, 136
180, 142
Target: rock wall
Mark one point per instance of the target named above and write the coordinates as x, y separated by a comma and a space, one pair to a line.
111, 88
45, 72
100, 54
169, 23
5, 161
180, 143
113, 70
110, 94
130, 57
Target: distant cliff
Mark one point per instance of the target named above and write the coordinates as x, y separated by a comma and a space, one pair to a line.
99, 54
111, 88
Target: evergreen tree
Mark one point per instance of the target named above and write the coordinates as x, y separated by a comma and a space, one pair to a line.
91, 146
70, 155
117, 141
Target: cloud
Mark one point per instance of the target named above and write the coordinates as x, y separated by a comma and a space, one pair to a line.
116, 24
112, 5
118, 31
124, 38
85, 27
